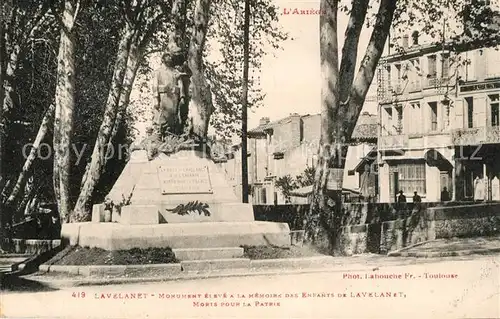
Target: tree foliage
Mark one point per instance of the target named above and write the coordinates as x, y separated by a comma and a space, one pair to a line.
286, 184
225, 72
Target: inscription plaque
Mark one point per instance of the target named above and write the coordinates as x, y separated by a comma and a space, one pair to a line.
184, 180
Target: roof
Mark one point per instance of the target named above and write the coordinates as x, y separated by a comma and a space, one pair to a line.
365, 130
262, 128
370, 157
366, 127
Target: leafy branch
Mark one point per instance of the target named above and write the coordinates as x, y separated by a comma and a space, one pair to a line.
191, 207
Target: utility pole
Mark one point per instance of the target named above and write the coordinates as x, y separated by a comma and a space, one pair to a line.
244, 106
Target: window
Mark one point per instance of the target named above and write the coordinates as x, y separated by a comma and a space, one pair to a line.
434, 117
351, 172
416, 116
431, 59
445, 66
388, 71
414, 75
446, 109
494, 103
397, 85
399, 125
387, 124
411, 177
263, 196
470, 111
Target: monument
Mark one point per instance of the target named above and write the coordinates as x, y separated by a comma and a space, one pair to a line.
172, 193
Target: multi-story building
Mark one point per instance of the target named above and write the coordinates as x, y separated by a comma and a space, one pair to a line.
439, 122
290, 145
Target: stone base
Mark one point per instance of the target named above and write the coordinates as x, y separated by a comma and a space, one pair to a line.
154, 214
115, 236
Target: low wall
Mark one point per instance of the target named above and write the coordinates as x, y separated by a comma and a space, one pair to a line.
466, 221
360, 239
385, 227
423, 224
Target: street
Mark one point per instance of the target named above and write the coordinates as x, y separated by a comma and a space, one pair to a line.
450, 288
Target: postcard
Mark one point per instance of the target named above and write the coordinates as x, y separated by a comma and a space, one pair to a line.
250, 159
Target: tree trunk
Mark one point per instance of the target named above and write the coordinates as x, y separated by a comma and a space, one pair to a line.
28, 196
2, 92
338, 120
135, 55
94, 170
178, 26
317, 220
42, 131
350, 111
200, 106
65, 102
350, 49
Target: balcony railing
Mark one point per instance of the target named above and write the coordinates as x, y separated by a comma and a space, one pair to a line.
414, 86
476, 135
437, 82
393, 142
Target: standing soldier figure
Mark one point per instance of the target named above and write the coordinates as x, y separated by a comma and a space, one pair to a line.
168, 88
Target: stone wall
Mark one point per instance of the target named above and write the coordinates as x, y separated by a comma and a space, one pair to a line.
384, 227
466, 221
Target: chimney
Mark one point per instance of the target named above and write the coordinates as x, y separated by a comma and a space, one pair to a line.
414, 37
264, 121
405, 41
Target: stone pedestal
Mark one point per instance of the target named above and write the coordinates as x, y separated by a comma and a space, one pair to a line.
179, 201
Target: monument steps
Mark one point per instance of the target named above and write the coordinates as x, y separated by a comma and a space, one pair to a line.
215, 264
208, 253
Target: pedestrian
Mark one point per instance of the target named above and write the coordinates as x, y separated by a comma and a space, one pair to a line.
401, 197
416, 198
445, 195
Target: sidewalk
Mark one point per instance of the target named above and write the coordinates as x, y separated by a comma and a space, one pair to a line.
369, 262
58, 276
451, 247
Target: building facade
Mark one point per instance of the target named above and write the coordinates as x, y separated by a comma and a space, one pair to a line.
439, 123
287, 147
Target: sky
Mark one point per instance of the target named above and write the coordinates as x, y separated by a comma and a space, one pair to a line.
291, 77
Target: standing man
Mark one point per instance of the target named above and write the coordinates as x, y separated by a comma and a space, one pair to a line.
401, 197
416, 198
169, 91
445, 195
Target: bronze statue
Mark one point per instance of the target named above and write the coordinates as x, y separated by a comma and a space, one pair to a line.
172, 128
171, 91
